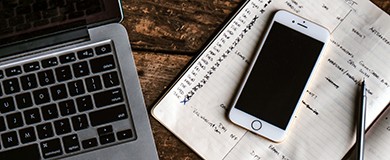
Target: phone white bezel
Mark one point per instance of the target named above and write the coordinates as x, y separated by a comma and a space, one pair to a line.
260, 126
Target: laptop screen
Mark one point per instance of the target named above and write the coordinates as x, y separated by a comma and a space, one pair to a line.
21, 20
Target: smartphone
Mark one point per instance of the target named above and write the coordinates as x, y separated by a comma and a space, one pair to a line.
271, 90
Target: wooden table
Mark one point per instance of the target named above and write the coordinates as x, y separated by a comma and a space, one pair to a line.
165, 35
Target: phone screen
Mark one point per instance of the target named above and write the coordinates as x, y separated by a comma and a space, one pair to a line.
279, 75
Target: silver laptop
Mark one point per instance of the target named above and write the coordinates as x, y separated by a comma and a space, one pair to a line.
68, 84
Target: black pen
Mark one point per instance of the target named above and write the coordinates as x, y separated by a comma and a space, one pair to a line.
361, 123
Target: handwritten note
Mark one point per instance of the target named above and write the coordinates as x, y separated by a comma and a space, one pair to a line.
215, 56
195, 107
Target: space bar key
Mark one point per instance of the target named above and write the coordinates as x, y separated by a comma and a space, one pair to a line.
108, 115
25, 152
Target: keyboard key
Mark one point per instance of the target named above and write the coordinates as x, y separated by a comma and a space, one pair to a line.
7, 104
14, 120
80, 69
29, 82
1, 74
83, 5
109, 97
108, 138
80, 122
58, 92
39, 6
11, 86
23, 9
126, 134
51, 148
41, 96
110, 79
32, 116
76, 88
89, 143
28, 152
102, 64
9, 139
93, 83
26, 2
45, 131
93, 10
67, 107
24, 100
15, 21
13, 71
50, 62
48, 13
49, 112
103, 49
108, 115
63, 73
85, 54
62, 126
3, 22
2, 124
27, 135
31, 67
71, 143
46, 77
8, 12
70, 57
105, 130
33, 17
84, 103
67, 8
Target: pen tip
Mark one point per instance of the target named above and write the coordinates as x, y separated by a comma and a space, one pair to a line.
363, 83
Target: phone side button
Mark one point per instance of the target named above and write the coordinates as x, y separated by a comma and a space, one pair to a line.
256, 125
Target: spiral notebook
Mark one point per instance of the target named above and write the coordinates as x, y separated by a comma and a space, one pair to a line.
195, 107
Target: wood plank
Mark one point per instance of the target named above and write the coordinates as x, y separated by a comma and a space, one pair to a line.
174, 26
156, 71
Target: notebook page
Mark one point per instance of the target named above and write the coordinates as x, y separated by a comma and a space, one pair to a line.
378, 138
195, 108
324, 128
199, 118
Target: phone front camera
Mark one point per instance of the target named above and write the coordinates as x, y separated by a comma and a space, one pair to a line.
293, 21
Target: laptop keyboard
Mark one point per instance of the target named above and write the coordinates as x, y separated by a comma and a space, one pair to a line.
63, 104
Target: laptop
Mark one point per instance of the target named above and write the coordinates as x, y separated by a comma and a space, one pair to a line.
69, 88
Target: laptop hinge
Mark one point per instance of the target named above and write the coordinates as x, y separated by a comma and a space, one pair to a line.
47, 42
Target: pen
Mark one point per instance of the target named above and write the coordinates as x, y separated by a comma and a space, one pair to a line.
360, 129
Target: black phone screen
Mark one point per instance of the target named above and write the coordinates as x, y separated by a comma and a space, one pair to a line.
279, 75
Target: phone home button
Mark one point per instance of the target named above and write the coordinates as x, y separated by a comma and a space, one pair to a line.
256, 125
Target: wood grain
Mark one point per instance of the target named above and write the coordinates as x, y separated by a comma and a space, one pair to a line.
383, 4
156, 72
179, 27
165, 35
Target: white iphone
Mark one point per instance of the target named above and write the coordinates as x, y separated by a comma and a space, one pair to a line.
267, 100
